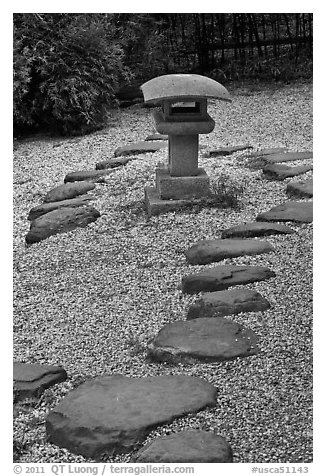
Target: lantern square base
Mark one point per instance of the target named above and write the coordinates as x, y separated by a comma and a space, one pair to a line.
155, 205
181, 188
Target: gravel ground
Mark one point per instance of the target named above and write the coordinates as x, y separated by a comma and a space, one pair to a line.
91, 300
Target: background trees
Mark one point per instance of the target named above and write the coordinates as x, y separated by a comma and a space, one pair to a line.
231, 45
69, 67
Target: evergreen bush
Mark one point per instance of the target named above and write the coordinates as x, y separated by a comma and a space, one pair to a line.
67, 68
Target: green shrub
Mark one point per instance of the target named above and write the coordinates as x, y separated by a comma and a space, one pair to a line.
67, 77
226, 193
22, 77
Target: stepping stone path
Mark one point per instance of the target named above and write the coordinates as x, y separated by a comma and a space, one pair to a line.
301, 189
247, 230
68, 190
49, 207
288, 156
30, 380
60, 220
57, 211
86, 175
203, 339
113, 163
157, 137
188, 446
114, 414
139, 148
301, 212
224, 303
227, 150
224, 276
209, 251
281, 172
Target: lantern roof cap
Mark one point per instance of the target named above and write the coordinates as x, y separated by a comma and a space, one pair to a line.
181, 87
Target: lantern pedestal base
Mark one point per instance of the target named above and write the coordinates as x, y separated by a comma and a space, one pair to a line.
181, 188
155, 205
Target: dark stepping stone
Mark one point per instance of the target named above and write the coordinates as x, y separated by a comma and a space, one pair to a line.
130, 92
68, 190
209, 251
30, 380
300, 189
273, 150
113, 163
188, 446
281, 172
132, 102
113, 414
301, 212
139, 148
60, 221
227, 150
224, 276
49, 207
157, 137
288, 156
86, 175
225, 303
247, 230
204, 339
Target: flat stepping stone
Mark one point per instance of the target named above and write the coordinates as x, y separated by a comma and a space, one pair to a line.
300, 189
68, 190
227, 150
247, 230
270, 151
226, 303
288, 156
49, 207
157, 137
113, 163
281, 172
224, 276
60, 221
301, 212
188, 446
116, 413
262, 160
132, 102
139, 148
81, 175
209, 251
30, 380
203, 339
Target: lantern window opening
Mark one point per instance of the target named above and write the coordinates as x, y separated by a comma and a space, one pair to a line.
185, 108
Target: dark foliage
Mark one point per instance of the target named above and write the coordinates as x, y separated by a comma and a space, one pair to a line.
67, 68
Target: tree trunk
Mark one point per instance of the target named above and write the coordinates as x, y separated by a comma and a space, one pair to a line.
235, 36
288, 30
252, 20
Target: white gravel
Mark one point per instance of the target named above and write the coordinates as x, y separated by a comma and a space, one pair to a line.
91, 299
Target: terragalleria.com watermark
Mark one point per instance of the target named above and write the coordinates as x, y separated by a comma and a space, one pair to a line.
113, 469
105, 469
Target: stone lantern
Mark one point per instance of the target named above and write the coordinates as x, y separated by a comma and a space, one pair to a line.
182, 115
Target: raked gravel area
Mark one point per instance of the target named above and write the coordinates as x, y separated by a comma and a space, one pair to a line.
92, 299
